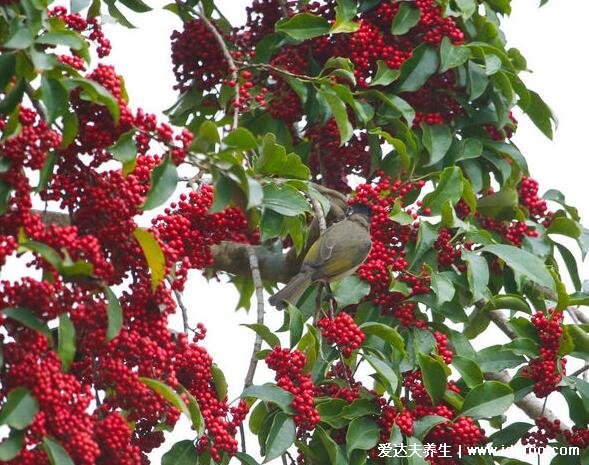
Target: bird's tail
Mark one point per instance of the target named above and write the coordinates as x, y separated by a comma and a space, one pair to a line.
292, 292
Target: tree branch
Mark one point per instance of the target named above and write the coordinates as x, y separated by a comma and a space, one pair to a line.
230, 62
258, 285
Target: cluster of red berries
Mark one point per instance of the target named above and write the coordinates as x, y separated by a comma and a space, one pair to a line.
332, 164
389, 243
547, 430
289, 366
343, 332
188, 230
547, 369
197, 57
460, 432
76, 22
448, 253
503, 133
527, 191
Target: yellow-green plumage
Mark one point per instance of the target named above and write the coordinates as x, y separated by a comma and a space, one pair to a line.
335, 254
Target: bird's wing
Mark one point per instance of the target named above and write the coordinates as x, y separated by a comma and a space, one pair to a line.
325, 255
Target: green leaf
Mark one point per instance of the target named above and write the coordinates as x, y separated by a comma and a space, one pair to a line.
114, 313
13, 98
116, 13
510, 435
571, 264
477, 274
499, 205
181, 453
469, 370
339, 112
496, 358
477, 80
194, 413
47, 171
406, 18
437, 139
386, 333
285, 200
27, 318
452, 56
21, 38
418, 69
492, 64
125, 150
363, 434
96, 92
487, 400
540, 114
468, 7
7, 68
12, 445
264, 332
273, 160
66, 348
78, 5
241, 138
580, 340
244, 458
69, 39
281, 436
219, 381
509, 302
136, 5
191, 411
523, 262
55, 452
164, 179
343, 23
19, 409
434, 376
54, 96
156, 261
303, 26
565, 227
424, 425
270, 393
351, 290
442, 287
295, 325
426, 236
387, 377
449, 188
384, 75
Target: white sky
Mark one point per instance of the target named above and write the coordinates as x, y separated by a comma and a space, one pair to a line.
552, 38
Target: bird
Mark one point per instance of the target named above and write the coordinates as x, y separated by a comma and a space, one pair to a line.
337, 253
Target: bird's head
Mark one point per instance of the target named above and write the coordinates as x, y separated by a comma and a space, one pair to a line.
360, 209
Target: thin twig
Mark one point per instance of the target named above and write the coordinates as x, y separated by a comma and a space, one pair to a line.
275, 69
35, 102
259, 287
230, 62
182, 306
319, 214
242, 436
580, 371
